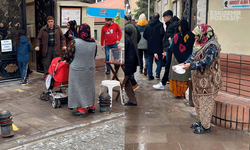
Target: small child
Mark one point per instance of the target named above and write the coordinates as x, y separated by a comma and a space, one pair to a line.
23, 47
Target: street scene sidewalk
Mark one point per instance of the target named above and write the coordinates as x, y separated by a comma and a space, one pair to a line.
160, 121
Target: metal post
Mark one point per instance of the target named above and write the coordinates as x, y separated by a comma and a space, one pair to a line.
148, 9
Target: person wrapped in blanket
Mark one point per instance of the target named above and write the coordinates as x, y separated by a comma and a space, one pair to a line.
80, 54
205, 74
182, 48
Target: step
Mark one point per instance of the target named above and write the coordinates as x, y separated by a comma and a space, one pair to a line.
232, 112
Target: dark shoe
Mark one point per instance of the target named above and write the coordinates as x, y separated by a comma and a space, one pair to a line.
145, 71
70, 108
151, 78
157, 76
91, 109
195, 125
141, 71
178, 97
108, 72
80, 112
30, 72
25, 82
130, 104
201, 130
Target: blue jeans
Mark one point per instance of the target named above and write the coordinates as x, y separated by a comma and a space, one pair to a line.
107, 48
23, 66
150, 64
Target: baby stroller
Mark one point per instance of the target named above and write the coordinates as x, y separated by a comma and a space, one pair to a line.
56, 83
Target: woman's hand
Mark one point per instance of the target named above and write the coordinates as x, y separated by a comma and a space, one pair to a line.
70, 35
186, 66
182, 64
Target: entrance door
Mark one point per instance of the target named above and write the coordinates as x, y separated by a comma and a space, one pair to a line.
43, 8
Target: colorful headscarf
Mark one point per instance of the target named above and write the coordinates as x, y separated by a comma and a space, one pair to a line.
205, 32
84, 33
73, 28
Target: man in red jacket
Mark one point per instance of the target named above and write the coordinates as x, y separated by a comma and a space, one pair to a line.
110, 37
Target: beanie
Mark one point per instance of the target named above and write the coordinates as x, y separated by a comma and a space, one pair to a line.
49, 18
142, 16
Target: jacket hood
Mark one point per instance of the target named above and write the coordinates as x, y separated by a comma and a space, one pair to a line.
153, 22
23, 39
142, 22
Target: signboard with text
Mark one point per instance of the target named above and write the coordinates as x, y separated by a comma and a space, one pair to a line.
6, 45
235, 4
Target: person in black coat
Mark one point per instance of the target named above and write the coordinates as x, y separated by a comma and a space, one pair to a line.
131, 61
154, 33
171, 30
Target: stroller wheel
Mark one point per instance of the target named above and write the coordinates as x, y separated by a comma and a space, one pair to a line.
58, 103
54, 103
42, 96
47, 97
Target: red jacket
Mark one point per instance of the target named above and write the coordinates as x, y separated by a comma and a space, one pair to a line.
109, 34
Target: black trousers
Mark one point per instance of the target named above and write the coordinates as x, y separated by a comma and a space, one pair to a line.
47, 60
167, 67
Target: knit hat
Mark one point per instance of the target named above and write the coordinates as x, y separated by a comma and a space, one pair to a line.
168, 13
49, 18
142, 16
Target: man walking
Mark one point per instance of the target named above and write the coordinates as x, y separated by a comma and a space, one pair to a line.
154, 33
110, 38
51, 40
171, 29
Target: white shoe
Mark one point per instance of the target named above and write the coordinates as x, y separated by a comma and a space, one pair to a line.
159, 86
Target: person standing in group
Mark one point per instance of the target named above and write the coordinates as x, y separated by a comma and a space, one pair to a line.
205, 74
51, 39
131, 61
154, 33
142, 45
135, 37
110, 38
171, 29
182, 49
80, 54
72, 31
23, 47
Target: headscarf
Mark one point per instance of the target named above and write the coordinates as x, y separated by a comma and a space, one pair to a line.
183, 42
205, 33
73, 28
84, 33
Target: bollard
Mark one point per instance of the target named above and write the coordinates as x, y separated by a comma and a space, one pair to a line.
6, 124
104, 102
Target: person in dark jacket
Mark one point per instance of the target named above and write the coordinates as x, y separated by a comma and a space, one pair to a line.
142, 45
154, 33
131, 61
135, 37
72, 31
23, 47
171, 29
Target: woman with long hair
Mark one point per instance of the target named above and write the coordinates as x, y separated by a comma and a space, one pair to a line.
206, 75
23, 47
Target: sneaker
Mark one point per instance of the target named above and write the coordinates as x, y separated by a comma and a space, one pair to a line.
159, 86
151, 78
157, 76
135, 87
25, 83
145, 71
108, 72
168, 82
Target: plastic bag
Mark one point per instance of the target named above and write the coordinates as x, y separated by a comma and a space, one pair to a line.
187, 94
178, 69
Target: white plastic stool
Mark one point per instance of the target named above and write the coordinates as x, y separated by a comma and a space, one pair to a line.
110, 84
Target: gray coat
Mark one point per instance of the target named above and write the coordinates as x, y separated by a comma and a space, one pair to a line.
81, 92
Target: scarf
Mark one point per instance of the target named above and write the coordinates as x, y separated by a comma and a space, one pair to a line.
84, 33
205, 32
183, 42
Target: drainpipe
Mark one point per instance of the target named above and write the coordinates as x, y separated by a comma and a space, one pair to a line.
148, 9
